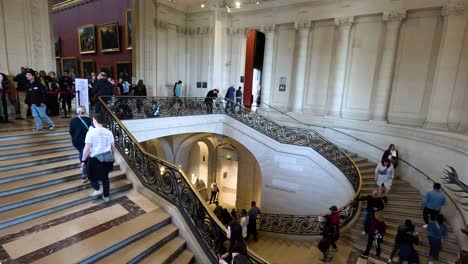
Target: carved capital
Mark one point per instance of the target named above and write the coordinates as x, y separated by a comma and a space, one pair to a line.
181, 29
161, 24
266, 29
344, 21
201, 30
302, 25
457, 8
239, 32
394, 16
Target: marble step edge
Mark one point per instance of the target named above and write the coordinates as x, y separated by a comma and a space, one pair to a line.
186, 257
25, 175
384, 245
122, 244
391, 237
153, 248
75, 188
394, 207
45, 181
47, 150
35, 141
21, 219
28, 134
40, 160
181, 245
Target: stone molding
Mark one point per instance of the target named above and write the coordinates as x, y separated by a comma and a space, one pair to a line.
181, 30
267, 29
199, 30
239, 32
303, 25
68, 4
344, 21
458, 8
161, 24
394, 15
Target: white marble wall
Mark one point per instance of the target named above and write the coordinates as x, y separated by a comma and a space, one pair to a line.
25, 36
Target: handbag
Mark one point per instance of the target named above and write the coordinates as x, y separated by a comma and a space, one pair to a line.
105, 157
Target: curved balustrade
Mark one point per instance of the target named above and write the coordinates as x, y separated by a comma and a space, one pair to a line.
174, 187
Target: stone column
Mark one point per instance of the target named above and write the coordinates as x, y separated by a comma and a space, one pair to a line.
387, 65
267, 75
335, 98
240, 35
447, 64
300, 63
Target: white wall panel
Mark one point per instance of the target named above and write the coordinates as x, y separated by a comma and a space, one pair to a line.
364, 51
419, 39
284, 65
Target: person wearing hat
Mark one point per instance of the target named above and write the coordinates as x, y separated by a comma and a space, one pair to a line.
36, 99
334, 220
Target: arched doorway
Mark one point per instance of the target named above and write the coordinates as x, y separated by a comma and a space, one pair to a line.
227, 165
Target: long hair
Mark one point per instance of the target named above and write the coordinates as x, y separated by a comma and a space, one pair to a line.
385, 159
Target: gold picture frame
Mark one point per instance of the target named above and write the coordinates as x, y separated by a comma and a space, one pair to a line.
69, 64
128, 29
87, 67
87, 39
123, 69
109, 40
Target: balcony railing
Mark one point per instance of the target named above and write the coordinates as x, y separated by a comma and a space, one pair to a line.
176, 188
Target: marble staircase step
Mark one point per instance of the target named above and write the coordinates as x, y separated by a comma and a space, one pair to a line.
167, 253
36, 141
11, 202
138, 250
102, 244
37, 150
38, 160
28, 134
38, 170
28, 212
186, 257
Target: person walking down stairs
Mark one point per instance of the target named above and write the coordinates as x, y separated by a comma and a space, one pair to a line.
384, 173
374, 204
376, 234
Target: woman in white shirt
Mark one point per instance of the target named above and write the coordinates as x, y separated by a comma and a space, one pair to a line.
98, 156
244, 221
384, 173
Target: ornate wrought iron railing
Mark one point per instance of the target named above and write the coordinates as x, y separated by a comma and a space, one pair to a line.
149, 107
166, 180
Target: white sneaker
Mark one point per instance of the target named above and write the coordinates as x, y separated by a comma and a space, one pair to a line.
424, 226
363, 233
389, 260
96, 193
106, 199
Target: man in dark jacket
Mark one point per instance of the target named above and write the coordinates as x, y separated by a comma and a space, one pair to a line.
209, 100
66, 89
21, 85
102, 88
36, 99
374, 204
230, 98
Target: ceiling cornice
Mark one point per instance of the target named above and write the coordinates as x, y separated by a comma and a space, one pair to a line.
67, 4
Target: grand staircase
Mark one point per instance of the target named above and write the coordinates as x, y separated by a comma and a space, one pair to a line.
47, 215
403, 203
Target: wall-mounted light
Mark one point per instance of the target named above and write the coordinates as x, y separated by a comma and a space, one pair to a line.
202, 5
162, 169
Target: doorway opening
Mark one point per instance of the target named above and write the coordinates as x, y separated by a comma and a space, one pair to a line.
253, 68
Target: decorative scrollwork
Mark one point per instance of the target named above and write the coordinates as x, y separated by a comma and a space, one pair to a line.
174, 187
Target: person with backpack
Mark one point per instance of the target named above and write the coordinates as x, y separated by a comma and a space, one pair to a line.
79, 126
376, 234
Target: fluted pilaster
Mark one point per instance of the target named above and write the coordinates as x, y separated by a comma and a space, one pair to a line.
300, 64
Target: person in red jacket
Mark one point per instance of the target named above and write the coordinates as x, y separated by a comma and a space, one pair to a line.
334, 220
376, 234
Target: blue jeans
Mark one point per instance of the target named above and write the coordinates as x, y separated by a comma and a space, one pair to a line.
434, 247
368, 216
39, 114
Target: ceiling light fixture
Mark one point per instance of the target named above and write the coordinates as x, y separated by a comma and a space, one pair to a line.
202, 5
228, 9
238, 4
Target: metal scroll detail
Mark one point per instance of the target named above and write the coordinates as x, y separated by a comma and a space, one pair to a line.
154, 107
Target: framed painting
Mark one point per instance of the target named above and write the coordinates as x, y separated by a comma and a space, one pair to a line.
57, 47
87, 67
128, 29
87, 39
70, 65
105, 68
123, 69
109, 37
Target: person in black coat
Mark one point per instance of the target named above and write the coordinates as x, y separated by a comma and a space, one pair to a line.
79, 126
102, 88
36, 100
209, 100
392, 154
